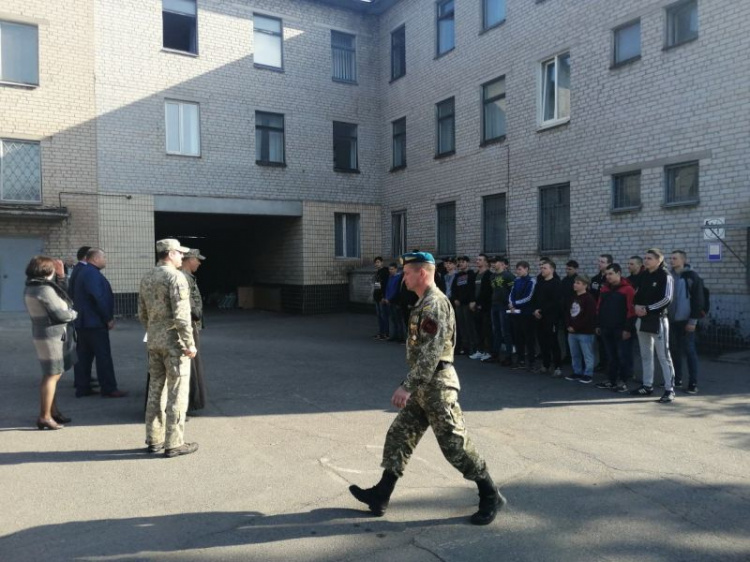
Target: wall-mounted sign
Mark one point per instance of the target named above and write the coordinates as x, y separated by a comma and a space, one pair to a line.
717, 230
714, 251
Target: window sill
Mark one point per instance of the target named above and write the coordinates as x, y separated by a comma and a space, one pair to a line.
624, 210
346, 171
444, 155
397, 168
270, 164
680, 44
677, 204
543, 252
444, 53
19, 85
178, 52
490, 28
342, 81
489, 142
271, 68
552, 125
179, 155
392, 80
626, 62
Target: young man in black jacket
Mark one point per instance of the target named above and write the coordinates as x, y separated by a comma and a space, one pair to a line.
603, 262
464, 298
379, 283
651, 302
547, 306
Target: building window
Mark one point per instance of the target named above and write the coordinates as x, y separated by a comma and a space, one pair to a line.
269, 138
681, 184
398, 53
20, 171
344, 56
347, 235
446, 229
493, 13
399, 143
183, 128
19, 53
180, 25
445, 27
493, 115
682, 23
494, 223
556, 89
345, 147
554, 219
626, 191
446, 127
627, 43
398, 233
268, 41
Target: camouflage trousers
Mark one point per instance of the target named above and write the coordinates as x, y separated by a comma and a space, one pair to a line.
437, 408
167, 402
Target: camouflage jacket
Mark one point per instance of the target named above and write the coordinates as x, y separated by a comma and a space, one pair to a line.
196, 302
164, 308
431, 339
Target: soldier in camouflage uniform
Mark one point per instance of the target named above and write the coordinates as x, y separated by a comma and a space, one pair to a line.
164, 310
428, 397
190, 264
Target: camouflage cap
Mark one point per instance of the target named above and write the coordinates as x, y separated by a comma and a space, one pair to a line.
169, 244
195, 253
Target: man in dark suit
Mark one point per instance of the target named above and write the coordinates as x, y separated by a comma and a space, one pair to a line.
95, 303
81, 257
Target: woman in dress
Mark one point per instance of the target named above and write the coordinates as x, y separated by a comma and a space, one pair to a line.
51, 312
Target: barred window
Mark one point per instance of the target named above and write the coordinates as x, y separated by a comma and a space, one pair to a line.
626, 191
554, 218
20, 171
493, 223
344, 56
681, 184
446, 229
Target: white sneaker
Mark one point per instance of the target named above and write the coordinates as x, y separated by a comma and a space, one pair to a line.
476, 355
486, 356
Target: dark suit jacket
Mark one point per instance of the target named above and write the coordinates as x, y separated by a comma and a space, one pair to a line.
73, 277
92, 298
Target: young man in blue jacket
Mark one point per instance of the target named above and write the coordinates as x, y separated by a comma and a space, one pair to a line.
521, 308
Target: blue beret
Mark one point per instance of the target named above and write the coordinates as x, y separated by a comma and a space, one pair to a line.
417, 257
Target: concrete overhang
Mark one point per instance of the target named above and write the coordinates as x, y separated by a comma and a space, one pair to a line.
227, 206
34, 212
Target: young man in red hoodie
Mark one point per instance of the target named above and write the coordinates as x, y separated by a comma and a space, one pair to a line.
616, 325
580, 319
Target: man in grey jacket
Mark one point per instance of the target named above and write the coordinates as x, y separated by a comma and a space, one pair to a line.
686, 308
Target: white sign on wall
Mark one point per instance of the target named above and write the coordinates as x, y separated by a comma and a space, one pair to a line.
717, 232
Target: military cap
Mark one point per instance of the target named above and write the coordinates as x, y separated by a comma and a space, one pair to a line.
417, 257
169, 244
195, 253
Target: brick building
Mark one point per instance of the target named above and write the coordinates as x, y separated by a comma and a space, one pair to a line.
293, 140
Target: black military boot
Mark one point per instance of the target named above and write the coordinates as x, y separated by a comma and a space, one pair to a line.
378, 496
490, 501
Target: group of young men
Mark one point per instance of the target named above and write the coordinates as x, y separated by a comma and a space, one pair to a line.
505, 318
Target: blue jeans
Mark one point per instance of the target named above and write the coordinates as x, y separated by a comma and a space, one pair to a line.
582, 353
683, 343
381, 311
620, 354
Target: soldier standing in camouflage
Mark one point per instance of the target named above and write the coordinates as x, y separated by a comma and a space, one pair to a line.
190, 264
429, 398
164, 310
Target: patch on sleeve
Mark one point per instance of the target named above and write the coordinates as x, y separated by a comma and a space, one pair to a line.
429, 326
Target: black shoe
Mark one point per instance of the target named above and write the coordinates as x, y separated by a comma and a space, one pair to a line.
642, 391
621, 388
377, 497
158, 448
184, 449
692, 389
667, 397
606, 385
490, 502
678, 382
586, 379
573, 377
87, 392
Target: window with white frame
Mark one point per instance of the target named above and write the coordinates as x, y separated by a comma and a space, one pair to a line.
682, 22
347, 235
19, 53
268, 41
681, 184
556, 89
493, 114
183, 128
345, 147
554, 218
446, 229
344, 56
627, 43
20, 171
269, 138
446, 40
493, 223
398, 233
399, 143
493, 13
446, 127
626, 191
180, 25
398, 53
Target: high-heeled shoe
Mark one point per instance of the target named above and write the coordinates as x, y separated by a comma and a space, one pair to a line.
59, 418
48, 424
